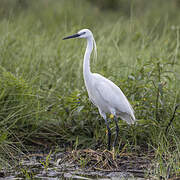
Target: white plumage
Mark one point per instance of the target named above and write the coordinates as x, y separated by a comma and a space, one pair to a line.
102, 92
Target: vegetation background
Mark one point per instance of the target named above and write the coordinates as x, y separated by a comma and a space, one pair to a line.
43, 100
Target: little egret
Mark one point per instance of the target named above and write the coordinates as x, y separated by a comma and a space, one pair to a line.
102, 92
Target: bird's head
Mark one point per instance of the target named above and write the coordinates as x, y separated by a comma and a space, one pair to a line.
84, 33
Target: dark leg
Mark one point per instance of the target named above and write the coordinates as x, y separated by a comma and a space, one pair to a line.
109, 134
117, 131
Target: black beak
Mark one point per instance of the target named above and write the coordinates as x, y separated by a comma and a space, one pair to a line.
73, 36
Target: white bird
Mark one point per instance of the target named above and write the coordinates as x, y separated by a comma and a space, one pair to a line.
102, 92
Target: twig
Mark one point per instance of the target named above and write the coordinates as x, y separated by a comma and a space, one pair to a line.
170, 122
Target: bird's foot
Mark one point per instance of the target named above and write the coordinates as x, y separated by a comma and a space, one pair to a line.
112, 152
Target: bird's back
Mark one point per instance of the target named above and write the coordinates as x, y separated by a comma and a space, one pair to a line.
109, 98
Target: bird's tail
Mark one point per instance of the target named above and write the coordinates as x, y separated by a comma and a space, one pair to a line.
130, 119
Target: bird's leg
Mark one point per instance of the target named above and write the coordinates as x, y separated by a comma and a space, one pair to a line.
117, 131
108, 128
109, 134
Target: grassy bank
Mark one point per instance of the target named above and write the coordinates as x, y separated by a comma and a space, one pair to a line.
43, 100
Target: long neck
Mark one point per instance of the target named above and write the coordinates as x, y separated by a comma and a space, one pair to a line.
86, 64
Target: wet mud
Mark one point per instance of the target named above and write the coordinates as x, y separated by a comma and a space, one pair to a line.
80, 164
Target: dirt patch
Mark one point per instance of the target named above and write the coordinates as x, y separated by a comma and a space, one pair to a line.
85, 163
106, 161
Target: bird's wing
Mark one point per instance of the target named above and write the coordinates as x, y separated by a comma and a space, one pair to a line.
113, 95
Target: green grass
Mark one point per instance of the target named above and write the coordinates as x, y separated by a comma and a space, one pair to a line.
42, 94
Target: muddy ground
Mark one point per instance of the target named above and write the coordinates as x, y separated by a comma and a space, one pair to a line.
80, 164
